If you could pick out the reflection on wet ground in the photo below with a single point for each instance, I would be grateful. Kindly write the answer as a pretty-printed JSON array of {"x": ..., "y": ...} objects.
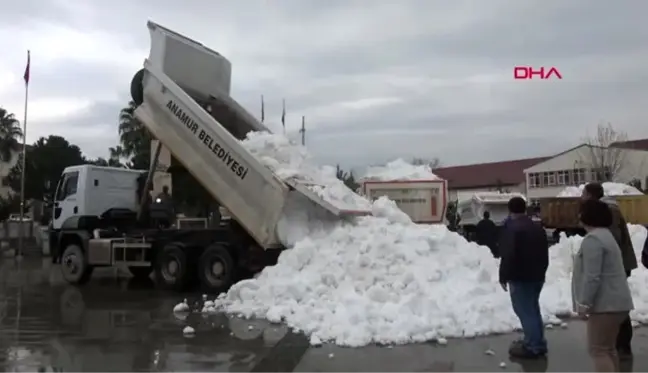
[{"x": 113, "y": 324}]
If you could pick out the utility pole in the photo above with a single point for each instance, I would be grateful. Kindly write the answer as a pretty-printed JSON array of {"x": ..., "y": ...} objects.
[{"x": 303, "y": 131}]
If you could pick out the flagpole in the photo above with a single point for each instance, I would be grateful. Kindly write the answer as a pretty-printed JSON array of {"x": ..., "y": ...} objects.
[{"x": 21, "y": 237}]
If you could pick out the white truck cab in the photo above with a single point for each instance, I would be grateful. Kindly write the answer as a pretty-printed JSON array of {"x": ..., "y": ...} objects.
[
  {"x": 89, "y": 190},
  {"x": 471, "y": 210}
]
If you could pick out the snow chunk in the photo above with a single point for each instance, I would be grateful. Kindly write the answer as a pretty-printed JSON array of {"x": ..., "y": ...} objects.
[
  {"x": 291, "y": 162},
  {"x": 400, "y": 170},
  {"x": 610, "y": 189},
  {"x": 181, "y": 307}
]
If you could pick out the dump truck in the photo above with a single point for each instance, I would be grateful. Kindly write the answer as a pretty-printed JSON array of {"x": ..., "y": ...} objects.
[
  {"x": 561, "y": 213},
  {"x": 471, "y": 210},
  {"x": 183, "y": 100}
]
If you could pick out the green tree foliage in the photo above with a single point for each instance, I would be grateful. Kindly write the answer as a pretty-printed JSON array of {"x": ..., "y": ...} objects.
[
  {"x": 10, "y": 134},
  {"x": 452, "y": 215},
  {"x": 114, "y": 160},
  {"x": 432, "y": 163},
  {"x": 635, "y": 183},
  {"x": 134, "y": 139},
  {"x": 347, "y": 178},
  {"x": 45, "y": 162}
]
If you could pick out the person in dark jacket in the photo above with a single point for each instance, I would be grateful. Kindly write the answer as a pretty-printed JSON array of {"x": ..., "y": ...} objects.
[
  {"x": 524, "y": 250},
  {"x": 486, "y": 232},
  {"x": 644, "y": 254},
  {"x": 619, "y": 229}
]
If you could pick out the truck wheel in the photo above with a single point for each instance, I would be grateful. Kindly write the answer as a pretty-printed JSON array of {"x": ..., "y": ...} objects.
[
  {"x": 74, "y": 265},
  {"x": 137, "y": 87},
  {"x": 216, "y": 269},
  {"x": 171, "y": 268},
  {"x": 140, "y": 272}
]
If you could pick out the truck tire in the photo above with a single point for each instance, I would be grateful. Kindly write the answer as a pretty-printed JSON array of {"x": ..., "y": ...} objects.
[
  {"x": 172, "y": 268},
  {"x": 216, "y": 269},
  {"x": 140, "y": 272},
  {"x": 74, "y": 265},
  {"x": 137, "y": 87}
]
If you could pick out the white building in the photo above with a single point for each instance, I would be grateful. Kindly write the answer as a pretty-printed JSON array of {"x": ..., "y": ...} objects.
[
  {"x": 505, "y": 176},
  {"x": 583, "y": 164}
]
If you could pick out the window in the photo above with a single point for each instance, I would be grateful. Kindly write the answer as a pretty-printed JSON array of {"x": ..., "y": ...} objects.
[
  {"x": 534, "y": 180},
  {"x": 560, "y": 175},
  {"x": 68, "y": 187},
  {"x": 580, "y": 176},
  {"x": 601, "y": 174},
  {"x": 552, "y": 178},
  {"x": 595, "y": 175},
  {"x": 545, "y": 179}
]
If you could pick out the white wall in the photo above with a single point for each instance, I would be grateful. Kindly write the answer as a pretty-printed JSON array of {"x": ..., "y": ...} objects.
[{"x": 635, "y": 165}]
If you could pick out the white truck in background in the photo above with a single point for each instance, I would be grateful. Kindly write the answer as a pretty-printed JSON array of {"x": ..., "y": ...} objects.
[
  {"x": 99, "y": 217},
  {"x": 424, "y": 201},
  {"x": 471, "y": 210}
]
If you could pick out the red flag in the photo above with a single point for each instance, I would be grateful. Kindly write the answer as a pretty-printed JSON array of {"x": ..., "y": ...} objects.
[{"x": 26, "y": 76}]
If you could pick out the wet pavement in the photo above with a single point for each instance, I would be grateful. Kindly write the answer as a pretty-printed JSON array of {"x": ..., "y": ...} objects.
[{"x": 114, "y": 324}]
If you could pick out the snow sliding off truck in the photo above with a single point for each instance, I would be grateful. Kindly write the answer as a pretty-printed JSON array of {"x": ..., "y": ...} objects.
[{"x": 99, "y": 217}]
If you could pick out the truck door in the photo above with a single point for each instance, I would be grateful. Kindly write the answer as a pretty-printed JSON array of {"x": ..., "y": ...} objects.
[{"x": 65, "y": 200}]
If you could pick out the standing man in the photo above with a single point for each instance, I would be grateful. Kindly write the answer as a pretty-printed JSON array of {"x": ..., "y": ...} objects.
[
  {"x": 486, "y": 232},
  {"x": 644, "y": 254},
  {"x": 619, "y": 229},
  {"x": 525, "y": 257}
]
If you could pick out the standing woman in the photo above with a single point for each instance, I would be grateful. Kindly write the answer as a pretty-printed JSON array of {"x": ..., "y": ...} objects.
[{"x": 600, "y": 288}]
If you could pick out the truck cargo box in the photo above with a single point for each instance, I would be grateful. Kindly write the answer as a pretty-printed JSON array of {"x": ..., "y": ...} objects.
[
  {"x": 424, "y": 201},
  {"x": 183, "y": 83},
  {"x": 562, "y": 212}
]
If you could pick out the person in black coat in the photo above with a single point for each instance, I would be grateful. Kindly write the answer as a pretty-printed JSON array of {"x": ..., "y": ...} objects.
[
  {"x": 487, "y": 234},
  {"x": 644, "y": 254}
]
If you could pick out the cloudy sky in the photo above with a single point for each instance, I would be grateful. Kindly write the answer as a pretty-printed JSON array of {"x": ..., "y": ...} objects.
[{"x": 375, "y": 79}]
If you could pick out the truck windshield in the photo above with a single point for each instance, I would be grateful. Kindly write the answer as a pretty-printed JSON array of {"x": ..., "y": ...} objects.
[
  {"x": 58, "y": 192},
  {"x": 67, "y": 186}
]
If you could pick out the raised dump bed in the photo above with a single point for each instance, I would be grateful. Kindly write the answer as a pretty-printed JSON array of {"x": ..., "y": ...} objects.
[{"x": 182, "y": 77}]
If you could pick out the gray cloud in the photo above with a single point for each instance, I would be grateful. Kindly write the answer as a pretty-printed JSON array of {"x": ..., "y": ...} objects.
[{"x": 375, "y": 82}]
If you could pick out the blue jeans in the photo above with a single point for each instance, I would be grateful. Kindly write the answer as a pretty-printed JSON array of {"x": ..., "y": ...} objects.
[{"x": 525, "y": 297}]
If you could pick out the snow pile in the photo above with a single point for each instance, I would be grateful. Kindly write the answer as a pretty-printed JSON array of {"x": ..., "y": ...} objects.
[
  {"x": 400, "y": 170},
  {"x": 384, "y": 279},
  {"x": 610, "y": 189},
  {"x": 292, "y": 162}
]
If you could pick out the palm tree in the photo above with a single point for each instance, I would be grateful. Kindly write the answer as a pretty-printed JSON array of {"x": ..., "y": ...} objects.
[
  {"x": 10, "y": 133},
  {"x": 115, "y": 156},
  {"x": 134, "y": 138}
]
